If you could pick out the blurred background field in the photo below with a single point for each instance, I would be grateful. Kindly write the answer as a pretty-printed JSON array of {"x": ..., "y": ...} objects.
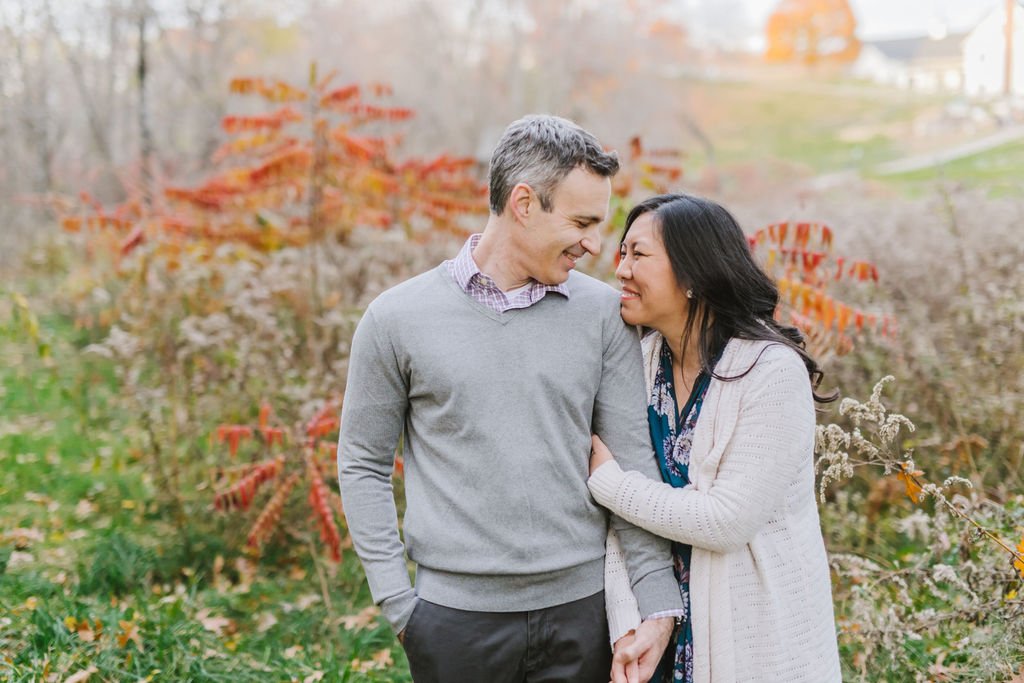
[{"x": 198, "y": 198}]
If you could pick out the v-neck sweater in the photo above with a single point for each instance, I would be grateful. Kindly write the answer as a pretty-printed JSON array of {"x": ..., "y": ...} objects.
[{"x": 495, "y": 412}]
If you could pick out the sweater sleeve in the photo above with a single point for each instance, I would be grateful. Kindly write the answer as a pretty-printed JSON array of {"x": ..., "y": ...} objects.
[
  {"x": 768, "y": 446},
  {"x": 619, "y": 419},
  {"x": 372, "y": 420}
]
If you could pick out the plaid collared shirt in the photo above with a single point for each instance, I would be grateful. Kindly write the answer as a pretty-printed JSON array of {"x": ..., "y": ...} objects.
[{"x": 484, "y": 290}]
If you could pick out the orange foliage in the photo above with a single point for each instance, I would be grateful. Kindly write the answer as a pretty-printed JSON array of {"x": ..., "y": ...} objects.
[
  {"x": 320, "y": 502},
  {"x": 910, "y": 481},
  {"x": 271, "y": 514},
  {"x": 233, "y": 434},
  {"x": 315, "y": 454},
  {"x": 798, "y": 256},
  {"x": 313, "y": 166},
  {"x": 812, "y": 31},
  {"x": 240, "y": 494}
]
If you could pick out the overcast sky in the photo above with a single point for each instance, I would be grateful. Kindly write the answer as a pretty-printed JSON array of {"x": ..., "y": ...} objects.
[{"x": 885, "y": 18}]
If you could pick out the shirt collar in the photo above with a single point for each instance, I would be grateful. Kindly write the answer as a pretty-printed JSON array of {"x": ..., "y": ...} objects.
[{"x": 465, "y": 270}]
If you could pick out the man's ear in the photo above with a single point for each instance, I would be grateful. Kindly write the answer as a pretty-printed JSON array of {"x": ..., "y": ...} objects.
[{"x": 523, "y": 202}]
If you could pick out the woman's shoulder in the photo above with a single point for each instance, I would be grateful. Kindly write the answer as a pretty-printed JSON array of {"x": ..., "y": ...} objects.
[{"x": 759, "y": 356}]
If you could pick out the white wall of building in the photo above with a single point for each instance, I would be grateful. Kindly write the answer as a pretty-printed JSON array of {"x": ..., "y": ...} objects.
[{"x": 984, "y": 55}]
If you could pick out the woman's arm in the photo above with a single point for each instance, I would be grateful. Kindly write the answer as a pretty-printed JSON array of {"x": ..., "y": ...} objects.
[
  {"x": 769, "y": 444},
  {"x": 620, "y": 603}
]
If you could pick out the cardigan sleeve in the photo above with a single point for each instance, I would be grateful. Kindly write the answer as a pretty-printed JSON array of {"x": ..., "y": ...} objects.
[
  {"x": 769, "y": 443},
  {"x": 620, "y": 603}
]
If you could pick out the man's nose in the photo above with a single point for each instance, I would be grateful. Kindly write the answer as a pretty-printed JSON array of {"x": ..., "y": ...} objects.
[{"x": 592, "y": 240}]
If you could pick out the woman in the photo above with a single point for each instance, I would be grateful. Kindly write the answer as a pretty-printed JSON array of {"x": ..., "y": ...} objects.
[{"x": 731, "y": 414}]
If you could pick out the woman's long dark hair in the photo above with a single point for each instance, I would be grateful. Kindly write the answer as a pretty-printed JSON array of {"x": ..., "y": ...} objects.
[{"x": 732, "y": 295}]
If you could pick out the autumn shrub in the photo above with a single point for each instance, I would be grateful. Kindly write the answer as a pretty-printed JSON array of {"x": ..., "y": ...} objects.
[
  {"x": 928, "y": 593},
  {"x": 921, "y": 593},
  {"x": 953, "y": 282}
]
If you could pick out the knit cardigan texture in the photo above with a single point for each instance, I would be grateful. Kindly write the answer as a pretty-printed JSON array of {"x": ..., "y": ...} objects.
[{"x": 760, "y": 591}]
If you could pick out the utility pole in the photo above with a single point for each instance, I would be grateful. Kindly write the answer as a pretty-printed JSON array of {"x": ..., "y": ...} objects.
[{"x": 1011, "y": 5}]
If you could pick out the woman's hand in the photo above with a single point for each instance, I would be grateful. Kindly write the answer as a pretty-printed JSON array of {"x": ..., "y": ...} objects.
[
  {"x": 636, "y": 654},
  {"x": 599, "y": 453}
]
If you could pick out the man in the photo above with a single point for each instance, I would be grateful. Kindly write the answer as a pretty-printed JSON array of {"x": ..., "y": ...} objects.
[{"x": 493, "y": 370}]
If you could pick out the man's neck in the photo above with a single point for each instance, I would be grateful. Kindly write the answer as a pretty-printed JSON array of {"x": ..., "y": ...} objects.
[{"x": 497, "y": 257}]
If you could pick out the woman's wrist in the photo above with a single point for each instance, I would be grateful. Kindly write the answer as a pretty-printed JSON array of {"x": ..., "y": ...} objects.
[{"x": 604, "y": 482}]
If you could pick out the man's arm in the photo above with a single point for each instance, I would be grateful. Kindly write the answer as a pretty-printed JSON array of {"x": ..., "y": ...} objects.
[
  {"x": 620, "y": 416},
  {"x": 372, "y": 420}
]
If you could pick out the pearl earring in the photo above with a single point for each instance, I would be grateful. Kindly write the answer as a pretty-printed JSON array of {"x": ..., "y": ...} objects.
[{"x": 689, "y": 294}]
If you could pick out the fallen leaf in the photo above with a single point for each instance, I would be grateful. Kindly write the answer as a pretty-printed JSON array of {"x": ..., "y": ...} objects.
[
  {"x": 367, "y": 617},
  {"x": 313, "y": 677},
  {"x": 85, "y": 509},
  {"x": 23, "y": 537},
  {"x": 85, "y": 632},
  {"x": 265, "y": 622},
  {"x": 306, "y": 601},
  {"x": 292, "y": 652},
  {"x": 19, "y": 559},
  {"x": 129, "y": 632},
  {"x": 246, "y": 574},
  {"x": 81, "y": 676},
  {"x": 218, "y": 625},
  {"x": 380, "y": 660}
]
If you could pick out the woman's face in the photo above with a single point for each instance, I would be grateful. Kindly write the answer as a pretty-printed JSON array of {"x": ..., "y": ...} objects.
[{"x": 650, "y": 295}]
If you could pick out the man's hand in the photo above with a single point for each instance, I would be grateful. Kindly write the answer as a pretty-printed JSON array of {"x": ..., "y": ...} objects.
[
  {"x": 636, "y": 654},
  {"x": 599, "y": 453}
]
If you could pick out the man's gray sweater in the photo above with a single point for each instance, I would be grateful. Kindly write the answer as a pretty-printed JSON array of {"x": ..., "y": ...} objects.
[{"x": 497, "y": 410}]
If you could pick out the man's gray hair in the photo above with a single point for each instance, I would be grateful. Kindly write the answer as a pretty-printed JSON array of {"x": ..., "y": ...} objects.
[{"x": 540, "y": 151}]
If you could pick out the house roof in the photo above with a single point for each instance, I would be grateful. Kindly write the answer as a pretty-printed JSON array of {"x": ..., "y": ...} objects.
[{"x": 923, "y": 47}]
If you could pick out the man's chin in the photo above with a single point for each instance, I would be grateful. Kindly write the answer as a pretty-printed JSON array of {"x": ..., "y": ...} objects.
[{"x": 553, "y": 279}]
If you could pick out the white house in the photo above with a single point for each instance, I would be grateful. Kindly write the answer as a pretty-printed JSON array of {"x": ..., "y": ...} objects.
[
  {"x": 924, "y": 64},
  {"x": 984, "y": 55}
]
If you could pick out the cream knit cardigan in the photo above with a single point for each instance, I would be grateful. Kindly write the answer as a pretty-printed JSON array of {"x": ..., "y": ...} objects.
[{"x": 760, "y": 593}]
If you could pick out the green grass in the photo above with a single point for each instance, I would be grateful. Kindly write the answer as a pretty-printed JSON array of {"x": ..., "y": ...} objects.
[
  {"x": 999, "y": 171},
  {"x": 802, "y": 124},
  {"x": 796, "y": 128},
  {"x": 85, "y": 542}
]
